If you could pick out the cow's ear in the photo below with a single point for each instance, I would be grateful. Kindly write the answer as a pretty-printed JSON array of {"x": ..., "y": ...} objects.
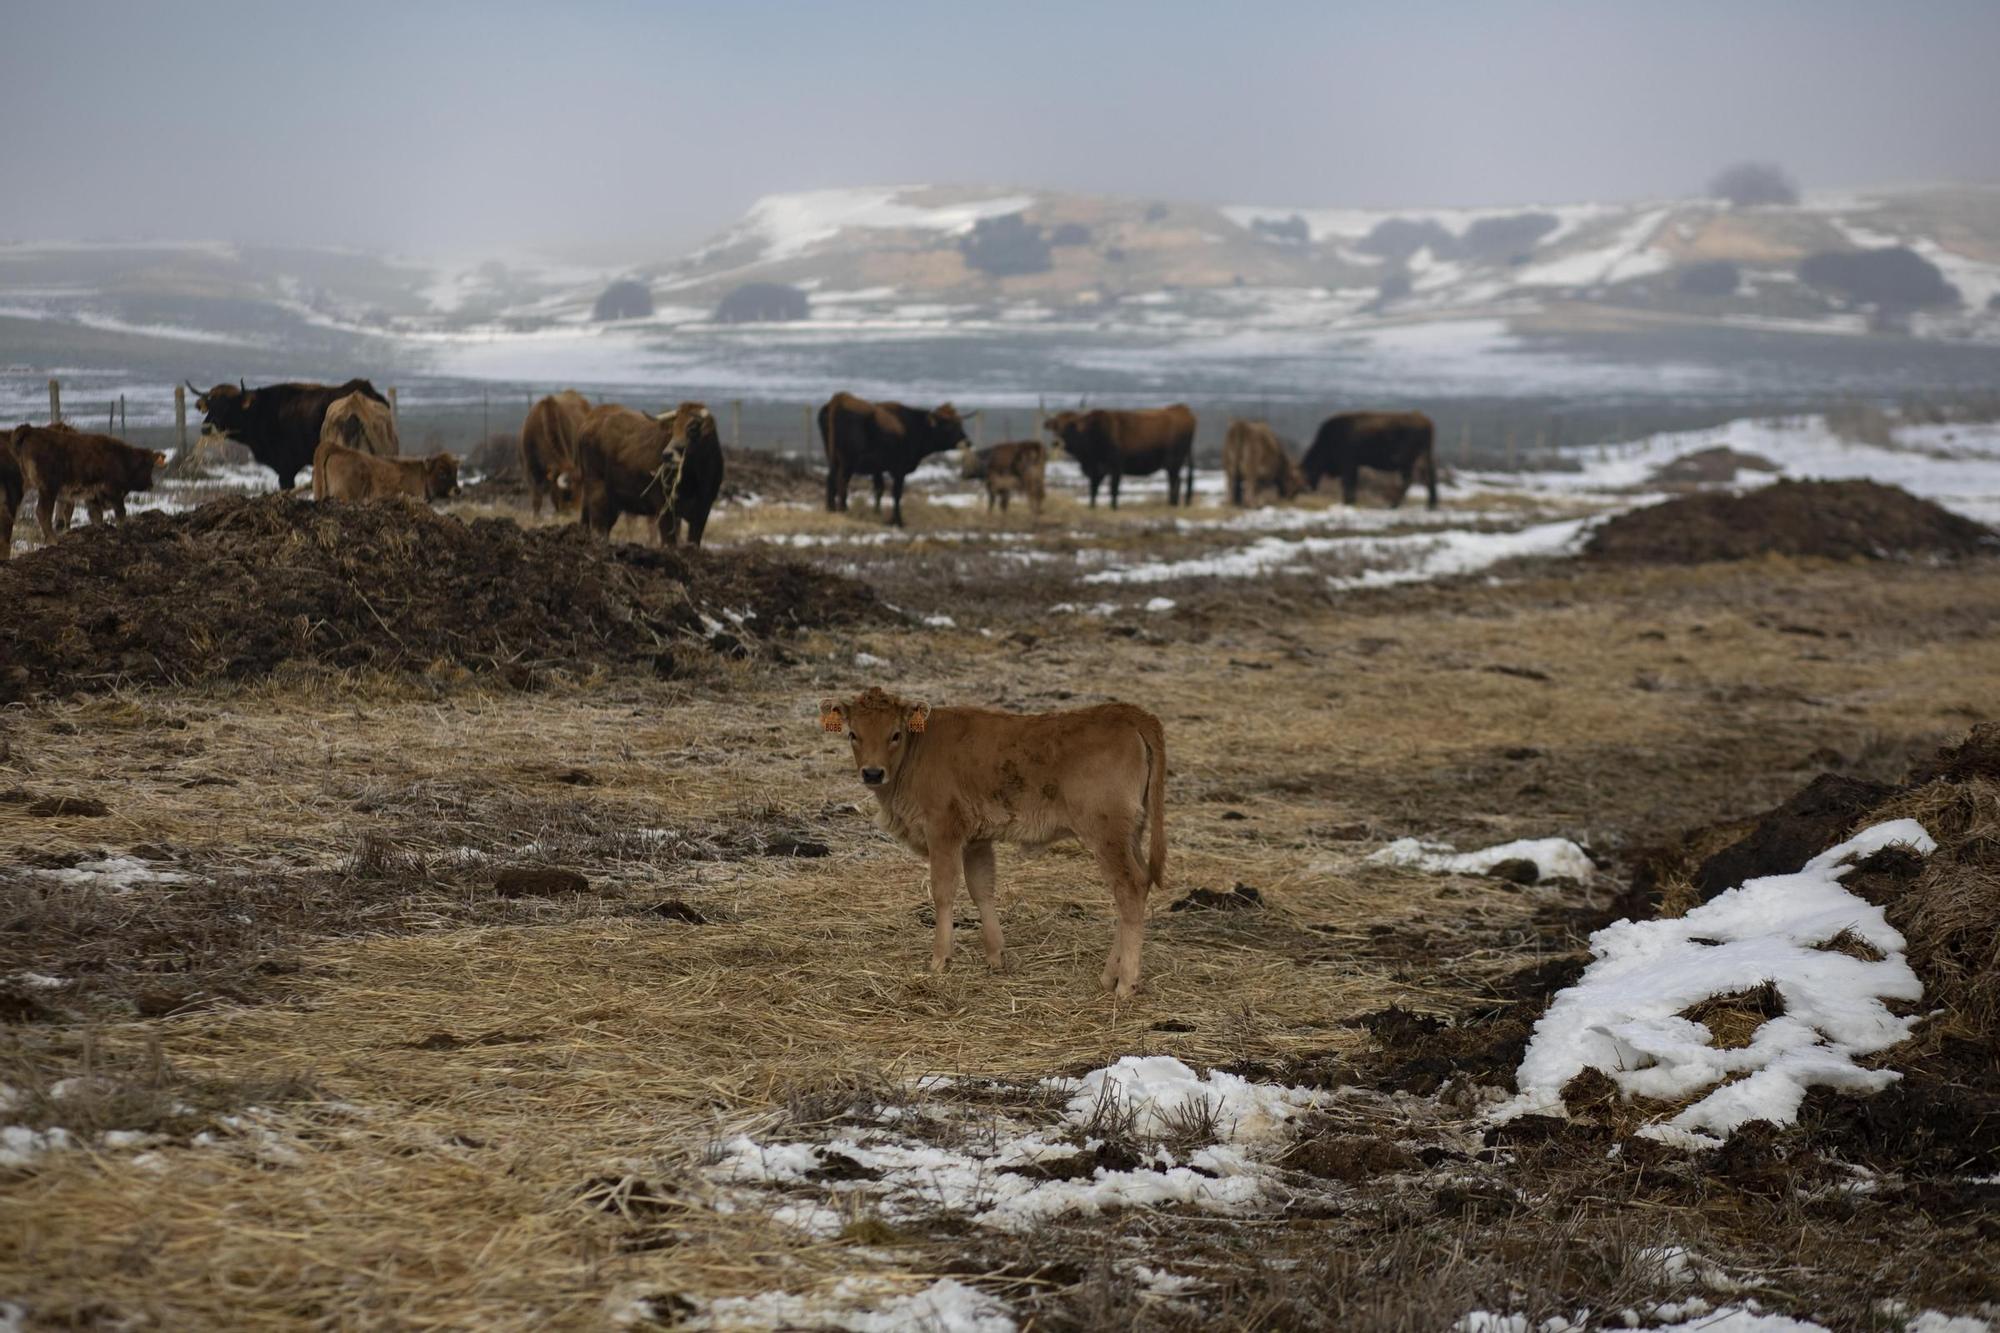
[
  {"x": 832, "y": 716},
  {"x": 248, "y": 399},
  {"x": 920, "y": 714},
  {"x": 159, "y": 459}
]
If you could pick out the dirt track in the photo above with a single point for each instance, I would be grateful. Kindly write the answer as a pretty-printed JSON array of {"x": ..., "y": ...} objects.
[{"x": 494, "y": 1108}]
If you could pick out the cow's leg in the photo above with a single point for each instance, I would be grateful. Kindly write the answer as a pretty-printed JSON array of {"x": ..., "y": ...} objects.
[
  {"x": 947, "y": 859},
  {"x": 534, "y": 495},
  {"x": 1173, "y": 487},
  {"x": 45, "y": 513},
  {"x": 896, "y": 512},
  {"x": 1350, "y": 479},
  {"x": 979, "y": 882},
  {"x": 1093, "y": 491},
  {"x": 65, "y": 512},
  {"x": 117, "y": 507},
  {"x": 670, "y": 528},
  {"x": 696, "y": 526},
  {"x": 1409, "y": 475},
  {"x": 1127, "y": 882},
  {"x": 1114, "y": 489},
  {"x": 1005, "y": 496},
  {"x": 287, "y": 480},
  {"x": 832, "y": 486},
  {"x": 877, "y": 480}
]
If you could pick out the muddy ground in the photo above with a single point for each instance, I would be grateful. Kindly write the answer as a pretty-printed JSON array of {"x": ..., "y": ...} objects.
[{"x": 429, "y": 997}]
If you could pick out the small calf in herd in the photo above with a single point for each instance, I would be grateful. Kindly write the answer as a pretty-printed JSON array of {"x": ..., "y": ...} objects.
[
  {"x": 75, "y": 467},
  {"x": 341, "y": 473},
  {"x": 951, "y": 782}
]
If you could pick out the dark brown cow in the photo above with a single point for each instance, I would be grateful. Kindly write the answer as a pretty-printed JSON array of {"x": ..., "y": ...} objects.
[
  {"x": 70, "y": 465},
  {"x": 341, "y": 473},
  {"x": 881, "y": 439},
  {"x": 1398, "y": 442},
  {"x": 1017, "y": 465},
  {"x": 694, "y": 465},
  {"x": 12, "y": 488},
  {"x": 548, "y": 449},
  {"x": 1115, "y": 444},
  {"x": 1253, "y": 457},
  {"x": 279, "y": 423},
  {"x": 626, "y": 463}
]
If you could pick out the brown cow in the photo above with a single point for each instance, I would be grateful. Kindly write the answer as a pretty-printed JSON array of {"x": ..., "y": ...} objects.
[
  {"x": 1017, "y": 465},
  {"x": 1117, "y": 444},
  {"x": 73, "y": 466},
  {"x": 1391, "y": 441},
  {"x": 361, "y": 422},
  {"x": 548, "y": 449},
  {"x": 881, "y": 440},
  {"x": 1252, "y": 458},
  {"x": 341, "y": 473},
  {"x": 12, "y": 488},
  {"x": 621, "y": 465},
  {"x": 951, "y": 782},
  {"x": 693, "y": 462}
]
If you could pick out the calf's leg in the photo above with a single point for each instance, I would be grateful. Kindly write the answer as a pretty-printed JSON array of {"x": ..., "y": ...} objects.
[
  {"x": 1127, "y": 882},
  {"x": 979, "y": 882},
  {"x": 946, "y": 858}
]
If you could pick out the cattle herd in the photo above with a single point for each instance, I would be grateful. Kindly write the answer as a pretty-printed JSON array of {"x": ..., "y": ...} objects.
[{"x": 605, "y": 461}]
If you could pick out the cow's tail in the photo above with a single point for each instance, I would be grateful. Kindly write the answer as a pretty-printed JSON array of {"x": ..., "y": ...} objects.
[
  {"x": 829, "y": 427},
  {"x": 1431, "y": 465},
  {"x": 1155, "y": 737}
]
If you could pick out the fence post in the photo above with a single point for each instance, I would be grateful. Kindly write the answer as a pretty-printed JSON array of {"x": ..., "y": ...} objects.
[
  {"x": 807, "y": 444},
  {"x": 180, "y": 423},
  {"x": 55, "y": 402},
  {"x": 1041, "y": 411},
  {"x": 393, "y": 416},
  {"x": 736, "y": 423},
  {"x": 111, "y": 417},
  {"x": 485, "y": 415},
  {"x": 122, "y": 427},
  {"x": 979, "y": 430}
]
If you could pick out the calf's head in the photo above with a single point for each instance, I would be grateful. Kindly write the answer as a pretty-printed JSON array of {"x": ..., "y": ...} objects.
[
  {"x": 138, "y": 468},
  {"x": 879, "y": 727},
  {"x": 440, "y": 477}
]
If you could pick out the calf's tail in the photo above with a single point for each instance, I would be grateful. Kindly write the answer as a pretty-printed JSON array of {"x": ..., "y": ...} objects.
[{"x": 1155, "y": 737}]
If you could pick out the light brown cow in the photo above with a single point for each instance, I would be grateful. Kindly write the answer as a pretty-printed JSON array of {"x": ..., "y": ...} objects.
[
  {"x": 340, "y": 473},
  {"x": 1017, "y": 465},
  {"x": 1252, "y": 458},
  {"x": 548, "y": 449},
  {"x": 360, "y": 422},
  {"x": 951, "y": 782}
]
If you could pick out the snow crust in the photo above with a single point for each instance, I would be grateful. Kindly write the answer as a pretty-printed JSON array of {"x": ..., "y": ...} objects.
[{"x": 1554, "y": 858}]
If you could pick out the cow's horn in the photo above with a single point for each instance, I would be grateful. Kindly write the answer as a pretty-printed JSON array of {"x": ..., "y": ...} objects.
[{"x": 191, "y": 389}]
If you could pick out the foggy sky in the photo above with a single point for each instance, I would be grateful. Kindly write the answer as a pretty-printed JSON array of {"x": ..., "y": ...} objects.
[{"x": 461, "y": 128}]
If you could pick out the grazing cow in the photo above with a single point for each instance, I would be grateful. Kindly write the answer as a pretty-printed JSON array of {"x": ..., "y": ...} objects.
[
  {"x": 341, "y": 473},
  {"x": 1253, "y": 457},
  {"x": 360, "y": 422},
  {"x": 548, "y": 449},
  {"x": 12, "y": 488},
  {"x": 951, "y": 782},
  {"x": 881, "y": 439},
  {"x": 279, "y": 423},
  {"x": 72, "y": 466},
  {"x": 1017, "y": 465},
  {"x": 1116, "y": 444},
  {"x": 1389, "y": 441},
  {"x": 693, "y": 462}
]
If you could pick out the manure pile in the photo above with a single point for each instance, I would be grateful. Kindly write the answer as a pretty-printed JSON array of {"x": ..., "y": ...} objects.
[{"x": 235, "y": 588}]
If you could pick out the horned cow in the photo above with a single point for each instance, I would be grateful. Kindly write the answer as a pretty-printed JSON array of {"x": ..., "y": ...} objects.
[
  {"x": 878, "y": 440},
  {"x": 278, "y": 423},
  {"x": 1109, "y": 444},
  {"x": 12, "y": 488},
  {"x": 73, "y": 466},
  {"x": 1390, "y": 441},
  {"x": 548, "y": 449},
  {"x": 1253, "y": 457},
  {"x": 950, "y": 782},
  {"x": 693, "y": 464}
]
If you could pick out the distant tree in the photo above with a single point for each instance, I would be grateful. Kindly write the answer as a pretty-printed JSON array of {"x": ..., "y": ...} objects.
[
  {"x": 1114, "y": 254},
  {"x": 1399, "y": 238},
  {"x": 1747, "y": 184},
  {"x": 627, "y": 298},
  {"x": 1892, "y": 278},
  {"x": 1291, "y": 231},
  {"x": 1716, "y": 278},
  {"x": 1156, "y": 212},
  {"x": 1505, "y": 240},
  {"x": 1006, "y": 246},
  {"x": 762, "y": 303},
  {"x": 1070, "y": 233}
]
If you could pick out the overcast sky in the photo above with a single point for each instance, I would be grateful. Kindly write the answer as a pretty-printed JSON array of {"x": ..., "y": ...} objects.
[{"x": 464, "y": 128}]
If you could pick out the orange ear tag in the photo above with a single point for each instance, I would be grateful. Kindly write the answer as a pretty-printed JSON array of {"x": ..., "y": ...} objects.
[{"x": 830, "y": 720}]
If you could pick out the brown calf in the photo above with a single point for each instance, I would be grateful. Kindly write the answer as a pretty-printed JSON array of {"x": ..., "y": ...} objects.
[
  {"x": 340, "y": 473},
  {"x": 73, "y": 466},
  {"x": 548, "y": 449},
  {"x": 361, "y": 422},
  {"x": 1252, "y": 458},
  {"x": 951, "y": 782},
  {"x": 1017, "y": 465}
]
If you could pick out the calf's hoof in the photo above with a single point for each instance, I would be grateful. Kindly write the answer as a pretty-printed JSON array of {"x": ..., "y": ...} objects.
[
  {"x": 996, "y": 962},
  {"x": 939, "y": 964}
]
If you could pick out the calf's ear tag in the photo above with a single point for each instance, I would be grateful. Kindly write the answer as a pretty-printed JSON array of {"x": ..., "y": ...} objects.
[
  {"x": 830, "y": 718},
  {"x": 918, "y": 716}
]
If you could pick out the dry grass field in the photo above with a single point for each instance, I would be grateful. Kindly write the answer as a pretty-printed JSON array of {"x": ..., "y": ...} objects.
[{"x": 365, "y": 1080}]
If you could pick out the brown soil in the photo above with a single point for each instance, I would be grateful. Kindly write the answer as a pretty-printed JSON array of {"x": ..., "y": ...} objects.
[
  {"x": 1839, "y": 520},
  {"x": 239, "y": 586}
]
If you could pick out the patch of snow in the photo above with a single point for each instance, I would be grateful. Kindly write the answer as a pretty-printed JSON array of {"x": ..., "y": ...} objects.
[
  {"x": 863, "y": 1306},
  {"x": 1627, "y": 253},
  {"x": 1156, "y": 605},
  {"x": 1623, "y": 1016},
  {"x": 21, "y": 1146},
  {"x": 940, "y": 622},
  {"x": 1160, "y": 1093},
  {"x": 1555, "y": 858},
  {"x": 1931, "y": 1321},
  {"x": 116, "y": 872},
  {"x": 791, "y": 224},
  {"x": 1734, "y": 1319},
  {"x": 39, "y": 981},
  {"x": 869, "y": 660}
]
